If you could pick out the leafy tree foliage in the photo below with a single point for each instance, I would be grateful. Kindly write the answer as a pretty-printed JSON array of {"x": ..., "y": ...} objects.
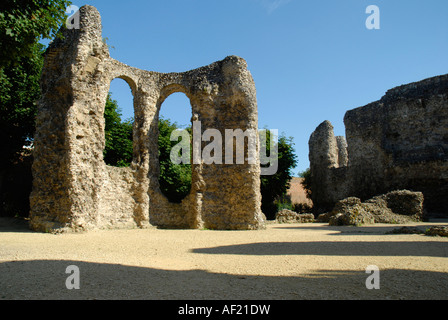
[
  {"x": 306, "y": 182},
  {"x": 24, "y": 22},
  {"x": 276, "y": 186},
  {"x": 19, "y": 91},
  {"x": 118, "y": 151},
  {"x": 174, "y": 179}
]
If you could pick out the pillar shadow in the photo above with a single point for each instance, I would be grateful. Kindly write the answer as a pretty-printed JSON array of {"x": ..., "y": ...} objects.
[
  {"x": 334, "y": 248},
  {"x": 352, "y": 230}
]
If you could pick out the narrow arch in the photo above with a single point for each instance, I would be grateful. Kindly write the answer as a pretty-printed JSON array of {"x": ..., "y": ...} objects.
[
  {"x": 171, "y": 89},
  {"x": 130, "y": 82},
  {"x": 119, "y": 123},
  {"x": 175, "y": 113}
]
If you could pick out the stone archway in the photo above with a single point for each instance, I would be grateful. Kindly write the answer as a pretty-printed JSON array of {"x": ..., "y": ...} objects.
[
  {"x": 175, "y": 178},
  {"x": 74, "y": 190},
  {"x": 117, "y": 151}
]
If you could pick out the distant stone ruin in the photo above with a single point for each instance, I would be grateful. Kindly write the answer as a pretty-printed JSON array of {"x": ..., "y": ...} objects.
[
  {"x": 398, "y": 142},
  {"x": 400, "y": 206},
  {"x": 74, "y": 190}
]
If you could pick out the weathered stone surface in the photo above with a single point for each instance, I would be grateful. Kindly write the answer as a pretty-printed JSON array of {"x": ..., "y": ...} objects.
[
  {"x": 406, "y": 230},
  {"x": 326, "y": 154},
  {"x": 288, "y": 216},
  {"x": 398, "y": 142},
  {"x": 305, "y": 218},
  {"x": 400, "y": 206},
  {"x": 340, "y": 207},
  {"x": 350, "y": 211},
  {"x": 437, "y": 231},
  {"x": 74, "y": 190},
  {"x": 355, "y": 216},
  {"x": 400, "y": 202}
]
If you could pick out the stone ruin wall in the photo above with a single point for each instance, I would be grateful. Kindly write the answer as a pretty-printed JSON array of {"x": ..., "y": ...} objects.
[
  {"x": 74, "y": 190},
  {"x": 328, "y": 165},
  {"x": 398, "y": 142}
]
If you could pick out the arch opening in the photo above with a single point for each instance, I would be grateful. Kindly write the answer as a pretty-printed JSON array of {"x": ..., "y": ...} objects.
[
  {"x": 175, "y": 179},
  {"x": 119, "y": 124}
]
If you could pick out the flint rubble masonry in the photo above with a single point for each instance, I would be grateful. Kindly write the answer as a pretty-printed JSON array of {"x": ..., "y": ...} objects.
[
  {"x": 398, "y": 142},
  {"x": 74, "y": 190}
]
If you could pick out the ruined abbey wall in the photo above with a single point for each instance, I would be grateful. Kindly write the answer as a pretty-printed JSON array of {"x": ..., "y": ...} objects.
[
  {"x": 398, "y": 142},
  {"x": 74, "y": 189}
]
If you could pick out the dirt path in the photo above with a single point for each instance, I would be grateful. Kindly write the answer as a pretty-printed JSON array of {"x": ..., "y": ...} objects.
[{"x": 295, "y": 261}]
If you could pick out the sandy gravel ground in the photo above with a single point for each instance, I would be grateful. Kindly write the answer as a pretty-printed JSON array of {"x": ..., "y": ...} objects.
[{"x": 285, "y": 261}]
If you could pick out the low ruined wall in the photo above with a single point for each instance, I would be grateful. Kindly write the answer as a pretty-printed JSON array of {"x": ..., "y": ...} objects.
[
  {"x": 116, "y": 202},
  {"x": 398, "y": 142}
]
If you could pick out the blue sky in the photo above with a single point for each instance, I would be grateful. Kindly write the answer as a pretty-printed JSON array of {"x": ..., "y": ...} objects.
[{"x": 311, "y": 60}]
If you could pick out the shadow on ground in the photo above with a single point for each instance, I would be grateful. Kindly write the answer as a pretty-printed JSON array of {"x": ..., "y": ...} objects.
[
  {"x": 14, "y": 225},
  {"x": 335, "y": 248},
  {"x": 47, "y": 280},
  {"x": 376, "y": 229}
]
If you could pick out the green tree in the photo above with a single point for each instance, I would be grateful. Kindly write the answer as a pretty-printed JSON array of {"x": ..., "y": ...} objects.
[
  {"x": 118, "y": 150},
  {"x": 174, "y": 179},
  {"x": 19, "y": 92},
  {"x": 304, "y": 207},
  {"x": 306, "y": 182},
  {"x": 275, "y": 186},
  {"x": 24, "y": 22}
]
